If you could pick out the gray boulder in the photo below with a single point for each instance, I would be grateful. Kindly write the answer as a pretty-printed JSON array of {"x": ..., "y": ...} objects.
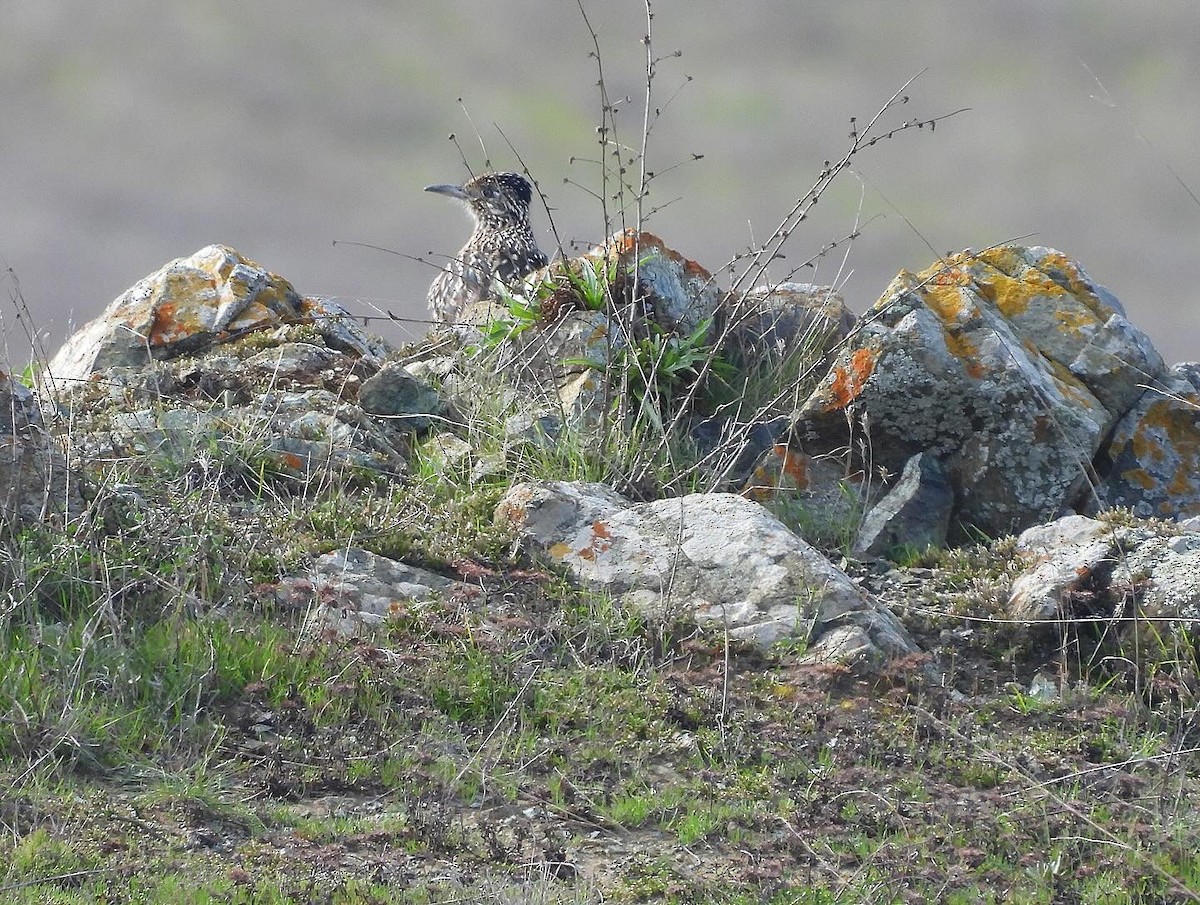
[
  {"x": 1087, "y": 568},
  {"x": 191, "y": 304},
  {"x": 716, "y": 559},
  {"x": 1011, "y": 366}
]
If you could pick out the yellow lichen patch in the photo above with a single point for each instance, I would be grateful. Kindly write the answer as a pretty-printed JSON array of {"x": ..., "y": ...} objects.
[
  {"x": 1182, "y": 482},
  {"x": 1075, "y": 320},
  {"x": 560, "y": 551},
  {"x": 1075, "y": 282},
  {"x": 1147, "y": 439},
  {"x": 904, "y": 281},
  {"x": 849, "y": 379},
  {"x": 1140, "y": 477},
  {"x": 948, "y": 302},
  {"x": 1071, "y": 387},
  {"x": 1002, "y": 257},
  {"x": 964, "y": 349},
  {"x": 1179, "y": 427},
  {"x": 1011, "y": 296},
  {"x": 279, "y": 285}
]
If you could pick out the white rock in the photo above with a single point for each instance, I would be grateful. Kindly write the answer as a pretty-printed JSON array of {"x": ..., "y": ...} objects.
[{"x": 714, "y": 558}]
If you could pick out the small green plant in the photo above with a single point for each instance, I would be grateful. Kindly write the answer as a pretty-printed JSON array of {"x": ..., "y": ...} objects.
[
  {"x": 591, "y": 281},
  {"x": 522, "y": 313}
]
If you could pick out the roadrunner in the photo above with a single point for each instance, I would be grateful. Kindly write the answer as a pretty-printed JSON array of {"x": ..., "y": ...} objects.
[{"x": 502, "y": 247}]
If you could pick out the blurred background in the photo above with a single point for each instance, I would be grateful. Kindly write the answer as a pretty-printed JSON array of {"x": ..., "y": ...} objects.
[{"x": 138, "y": 131}]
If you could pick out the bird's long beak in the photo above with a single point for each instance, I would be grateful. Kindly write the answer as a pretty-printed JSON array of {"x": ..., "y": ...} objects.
[{"x": 454, "y": 191}]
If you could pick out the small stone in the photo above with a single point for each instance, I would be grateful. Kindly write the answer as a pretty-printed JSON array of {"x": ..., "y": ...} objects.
[
  {"x": 406, "y": 402},
  {"x": 913, "y": 515}
]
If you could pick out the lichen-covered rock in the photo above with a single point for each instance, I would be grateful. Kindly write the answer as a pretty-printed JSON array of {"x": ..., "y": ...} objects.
[
  {"x": 673, "y": 291},
  {"x": 1004, "y": 364},
  {"x": 784, "y": 318},
  {"x": 35, "y": 481},
  {"x": 301, "y": 433},
  {"x": 1086, "y": 568},
  {"x": 714, "y": 558},
  {"x": 1076, "y": 566},
  {"x": 213, "y": 353},
  {"x": 1152, "y": 461},
  {"x": 290, "y": 408},
  {"x": 192, "y": 303}
]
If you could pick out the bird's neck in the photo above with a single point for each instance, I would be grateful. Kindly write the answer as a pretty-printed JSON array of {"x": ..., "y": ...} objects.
[{"x": 507, "y": 227}]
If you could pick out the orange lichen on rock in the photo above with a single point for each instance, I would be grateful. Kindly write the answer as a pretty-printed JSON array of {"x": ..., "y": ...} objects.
[
  {"x": 599, "y": 542},
  {"x": 292, "y": 461},
  {"x": 165, "y": 329},
  {"x": 849, "y": 379},
  {"x": 947, "y": 273},
  {"x": 629, "y": 242},
  {"x": 793, "y": 465},
  {"x": 781, "y": 468}
]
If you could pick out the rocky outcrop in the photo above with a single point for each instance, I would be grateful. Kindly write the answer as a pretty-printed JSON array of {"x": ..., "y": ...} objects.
[
  {"x": 716, "y": 559},
  {"x": 989, "y": 393},
  {"x": 213, "y": 352},
  {"x": 1011, "y": 366},
  {"x": 192, "y": 304}
]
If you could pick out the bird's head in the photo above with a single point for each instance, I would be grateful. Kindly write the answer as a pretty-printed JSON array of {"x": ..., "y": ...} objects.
[{"x": 495, "y": 199}]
